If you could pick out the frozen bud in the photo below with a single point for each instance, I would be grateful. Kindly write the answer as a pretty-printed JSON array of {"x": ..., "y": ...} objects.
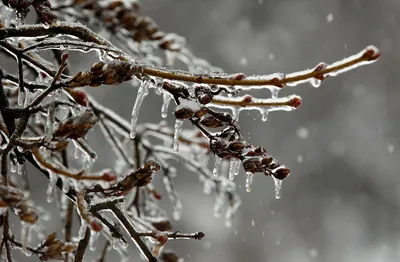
[
  {"x": 96, "y": 225},
  {"x": 211, "y": 122},
  {"x": 50, "y": 238},
  {"x": 61, "y": 145},
  {"x": 236, "y": 146},
  {"x": 64, "y": 57},
  {"x": 252, "y": 165},
  {"x": 184, "y": 113},
  {"x": 161, "y": 238},
  {"x": 247, "y": 98},
  {"x": 240, "y": 76},
  {"x": 319, "y": 68},
  {"x": 260, "y": 150},
  {"x": 371, "y": 53},
  {"x": 281, "y": 173},
  {"x": 27, "y": 214},
  {"x": 109, "y": 177},
  {"x": 266, "y": 161},
  {"x": 68, "y": 248},
  {"x": 156, "y": 195},
  {"x": 79, "y": 96},
  {"x": 115, "y": 4},
  {"x": 295, "y": 102},
  {"x": 203, "y": 94},
  {"x": 200, "y": 235},
  {"x": 162, "y": 225}
]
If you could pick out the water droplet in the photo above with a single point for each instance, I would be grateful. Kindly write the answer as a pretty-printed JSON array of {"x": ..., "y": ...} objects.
[
  {"x": 299, "y": 159},
  {"x": 391, "y": 148},
  {"x": 253, "y": 224}
]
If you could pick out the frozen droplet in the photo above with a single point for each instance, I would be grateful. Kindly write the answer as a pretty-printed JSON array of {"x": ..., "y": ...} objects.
[
  {"x": 25, "y": 229},
  {"x": 302, "y": 133},
  {"x": 20, "y": 168},
  {"x": 217, "y": 165},
  {"x": 52, "y": 183},
  {"x": 391, "y": 148},
  {"x": 82, "y": 229},
  {"x": 278, "y": 187},
  {"x": 249, "y": 181},
  {"x": 94, "y": 236},
  {"x": 234, "y": 168},
  {"x": 264, "y": 115},
  {"x": 329, "y": 18},
  {"x": 142, "y": 93},
  {"x": 165, "y": 104},
  {"x": 177, "y": 133},
  {"x": 253, "y": 224},
  {"x": 315, "y": 82},
  {"x": 299, "y": 159}
]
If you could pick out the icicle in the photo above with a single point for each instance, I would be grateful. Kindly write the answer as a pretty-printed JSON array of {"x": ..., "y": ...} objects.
[
  {"x": 236, "y": 113},
  {"x": 274, "y": 91},
  {"x": 264, "y": 114},
  {"x": 278, "y": 186},
  {"x": 21, "y": 97},
  {"x": 142, "y": 93},
  {"x": 208, "y": 186},
  {"x": 82, "y": 229},
  {"x": 115, "y": 242},
  {"x": 20, "y": 168},
  {"x": 177, "y": 133},
  {"x": 249, "y": 181},
  {"x": 234, "y": 168},
  {"x": 94, "y": 236},
  {"x": 52, "y": 183},
  {"x": 164, "y": 107},
  {"x": 177, "y": 210},
  {"x": 25, "y": 229},
  {"x": 219, "y": 203}
]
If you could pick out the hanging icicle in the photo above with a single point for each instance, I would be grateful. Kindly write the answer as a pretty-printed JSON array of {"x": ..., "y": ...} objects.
[{"x": 142, "y": 93}]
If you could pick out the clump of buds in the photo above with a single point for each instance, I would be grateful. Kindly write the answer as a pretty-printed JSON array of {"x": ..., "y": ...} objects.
[
  {"x": 55, "y": 249},
  {"x": 112, "y": 73},
  {"x": 139, "y": 178}
]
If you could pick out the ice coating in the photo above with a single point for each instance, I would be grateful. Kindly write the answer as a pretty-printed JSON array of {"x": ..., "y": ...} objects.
[{"x": 177, "y": 133}]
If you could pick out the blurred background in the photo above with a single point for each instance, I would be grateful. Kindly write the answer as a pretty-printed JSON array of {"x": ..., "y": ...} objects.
[{"x": 342, "y": 200}]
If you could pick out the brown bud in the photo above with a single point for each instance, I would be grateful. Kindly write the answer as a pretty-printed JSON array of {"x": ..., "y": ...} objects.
[
  {"x": 282, "y": 173},
  {"x": 184, "y": 113},
  {"x": 236, "y": 146},
  {"x": 211, "y": 122},
  {"x": 162, "y": 225}
]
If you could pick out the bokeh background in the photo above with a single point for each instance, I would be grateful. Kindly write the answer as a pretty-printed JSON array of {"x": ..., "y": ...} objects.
[{"x": 341, "y": 202}]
